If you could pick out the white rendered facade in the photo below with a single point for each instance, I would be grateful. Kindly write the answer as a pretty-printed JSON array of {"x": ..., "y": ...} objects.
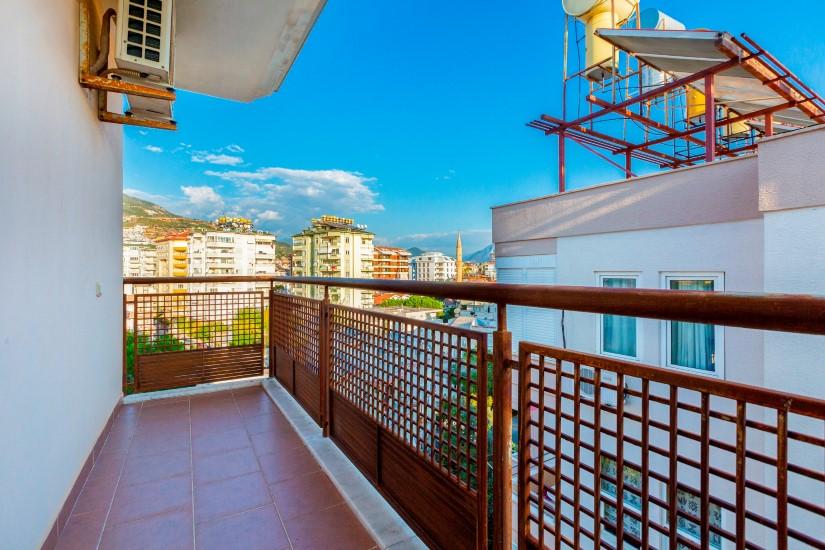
[
  {"x": 433, "y": 266},
  {"x": 753, "y": 224},
  {"x": 220, "y": 253},
  {"x": 139, "y": 259},
  {"x": 61, "y": 183}
]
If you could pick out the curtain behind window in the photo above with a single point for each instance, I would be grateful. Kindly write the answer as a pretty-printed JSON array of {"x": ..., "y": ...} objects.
[
  {"x": 618, "y": 331},
  {"x": 692, "y": 345}
]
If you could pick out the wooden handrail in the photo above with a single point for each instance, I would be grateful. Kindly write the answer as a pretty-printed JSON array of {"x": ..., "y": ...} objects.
[{"x": 780, "y": 312}]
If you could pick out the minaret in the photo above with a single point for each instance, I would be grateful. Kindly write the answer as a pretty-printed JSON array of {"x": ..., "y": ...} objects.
[{"x": 459, "y": 262}]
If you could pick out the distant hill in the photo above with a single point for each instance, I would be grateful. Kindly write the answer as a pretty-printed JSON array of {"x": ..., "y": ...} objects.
[
  {"x": 480, "y": 256},
  {"x": 157, "y": 222},
  {"x": 282, "y": 249},
  {"x": 415, "y": 251}
]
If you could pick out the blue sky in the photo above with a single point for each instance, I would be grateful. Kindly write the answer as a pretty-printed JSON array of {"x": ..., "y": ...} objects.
[{"x": 409, "y": 116}]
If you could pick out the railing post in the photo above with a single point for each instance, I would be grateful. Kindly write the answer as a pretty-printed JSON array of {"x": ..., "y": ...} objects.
[
  {"x": 271, "y": 342},
  {"x": 324, "y": 344},
  {"x": 125, "y": 382},
  {"x": 502, "y": 426}
]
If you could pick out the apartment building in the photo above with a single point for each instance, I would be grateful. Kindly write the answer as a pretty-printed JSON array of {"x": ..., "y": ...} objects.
[
  {"x": 139, "y": 258},
  {"x": 433, "y": 266},
  {"x": 390, "y": 262},
  {"x": 172, "y": 253},
  {"x": 216, "y": 253},
  {"x": 334, "y": 247}
]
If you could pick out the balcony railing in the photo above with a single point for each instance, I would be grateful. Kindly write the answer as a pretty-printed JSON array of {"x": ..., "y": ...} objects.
[{"x": 611, "y": 453}]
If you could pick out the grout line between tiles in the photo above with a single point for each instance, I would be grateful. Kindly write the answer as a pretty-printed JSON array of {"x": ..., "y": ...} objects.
[
  {"x": 119, "y": 476},
  {"x": 294, "y": 414},
  {"x": 192, "y": 473},
  {"x": 261, "y": 470}
]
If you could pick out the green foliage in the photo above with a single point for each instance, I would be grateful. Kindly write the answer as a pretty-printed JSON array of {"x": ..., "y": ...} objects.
[
  {"x": 205, "y": 331},
  {"x": 246, "y": 327},
  {"x": 145, "y": 346},
  {"x": 414, "y": 302}
]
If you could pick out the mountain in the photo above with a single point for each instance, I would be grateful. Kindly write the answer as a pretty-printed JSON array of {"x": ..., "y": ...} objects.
[
  {"x": 415, "y": 251},
  {"x": 156, "y": 221},
  {"x": 153, "y": 221},
  {"x": 282, "y": 249},
  {"x": 480, "y": 256}
]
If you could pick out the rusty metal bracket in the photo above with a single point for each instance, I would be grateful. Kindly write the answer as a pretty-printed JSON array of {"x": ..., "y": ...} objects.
[
  {"x": 118, "y": 86},
  {"x": 88, "y": 23}
]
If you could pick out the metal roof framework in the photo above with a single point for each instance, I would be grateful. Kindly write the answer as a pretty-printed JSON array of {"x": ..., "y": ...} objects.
[{"x": 740, "y": 81}]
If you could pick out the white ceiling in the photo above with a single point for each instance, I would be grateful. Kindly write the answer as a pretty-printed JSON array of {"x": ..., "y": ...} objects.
[{"x": 239, "y": 50}]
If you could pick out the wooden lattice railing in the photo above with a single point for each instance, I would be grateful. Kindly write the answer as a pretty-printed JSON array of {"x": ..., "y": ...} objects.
[{"x": 613, "y": 454}]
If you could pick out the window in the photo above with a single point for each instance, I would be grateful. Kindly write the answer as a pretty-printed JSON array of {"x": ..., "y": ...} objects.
[
  {"x": 695, "y": 346},
  {"x": 618, "y": 334},
  {"x": 690, "y": 502},
  {"x": 632, "y": 501}
]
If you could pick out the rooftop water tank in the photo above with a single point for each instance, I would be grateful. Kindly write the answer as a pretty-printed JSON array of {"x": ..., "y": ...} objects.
[
  {"x": 652, "y": 18},
  {"x": 598, "y": 14}
]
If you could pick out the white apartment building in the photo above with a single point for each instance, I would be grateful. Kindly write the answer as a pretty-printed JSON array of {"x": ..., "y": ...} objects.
[
  {"x": 749, "y": 224},
  {"x": 334, "y": 247},
  {"x": 216, "y": 253},
  {"x": 433, "y": 266},
  {"x": 140, "y": 258}
]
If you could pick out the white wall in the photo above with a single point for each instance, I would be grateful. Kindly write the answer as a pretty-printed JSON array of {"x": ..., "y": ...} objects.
[
  {"x": 530, "y": 324},
  {"x": 60, "y": 202},
  {"x": 733, "y": 249},
  {"x": 795, "y": 263}
]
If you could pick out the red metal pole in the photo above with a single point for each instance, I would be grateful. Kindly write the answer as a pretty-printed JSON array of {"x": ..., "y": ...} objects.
[
  {"x": 628, "y": 165},
  {"x": 769, "y": 124},
  {"x": 652, "y": 93},
  {"x": 561, "y": 161},
  {"x": 710, "y": 120}
]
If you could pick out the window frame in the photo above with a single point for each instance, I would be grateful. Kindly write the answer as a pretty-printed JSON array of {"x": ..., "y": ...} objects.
[
  {"x": 600, "y": 276},
  {"x": 718, "y": 278},
  {"x": 724, "y": 543},
  {"x": 615, "y": 497}
]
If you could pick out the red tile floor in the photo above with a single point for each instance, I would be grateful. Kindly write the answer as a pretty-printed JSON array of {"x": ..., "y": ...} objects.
[{"x": 220, "y": 470}]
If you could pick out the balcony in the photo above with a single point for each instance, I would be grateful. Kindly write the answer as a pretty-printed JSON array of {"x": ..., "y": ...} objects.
[
  {"x": 218, "y": 470},
  {"x": 706, "y": 461}
]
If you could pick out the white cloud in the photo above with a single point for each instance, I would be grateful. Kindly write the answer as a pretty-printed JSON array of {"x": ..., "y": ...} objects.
[
  {"x": 234, "y": 148},
  {"x": 154, "y": 149},
  {"x": 269, "y": 215},
  {"x": 202, "y": 196},
  {"x": 448, "y": 176},
  {"x": 151, "y": 197},
  {"x": 298, "y": 195},
  {"x": 212, "y": 158}
]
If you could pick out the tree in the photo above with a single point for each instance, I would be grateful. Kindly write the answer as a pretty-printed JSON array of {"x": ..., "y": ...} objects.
[
  {"x": 413, "y": 302},
  {"x": 246, "y": 327}
]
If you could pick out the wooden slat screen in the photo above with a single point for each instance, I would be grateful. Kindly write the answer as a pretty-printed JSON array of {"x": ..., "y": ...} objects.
[{"x": 184, "y": 339}]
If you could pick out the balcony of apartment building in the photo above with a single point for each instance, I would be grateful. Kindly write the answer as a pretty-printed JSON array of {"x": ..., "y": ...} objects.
[
  {"x": 251, "y": 419},
  {"x": 313, "y": 429}
]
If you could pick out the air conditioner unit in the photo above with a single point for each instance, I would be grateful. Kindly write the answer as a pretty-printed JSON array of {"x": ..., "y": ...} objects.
[
  {"x": 144, "y": 37},
  {"x": 587, "y": 385}
]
